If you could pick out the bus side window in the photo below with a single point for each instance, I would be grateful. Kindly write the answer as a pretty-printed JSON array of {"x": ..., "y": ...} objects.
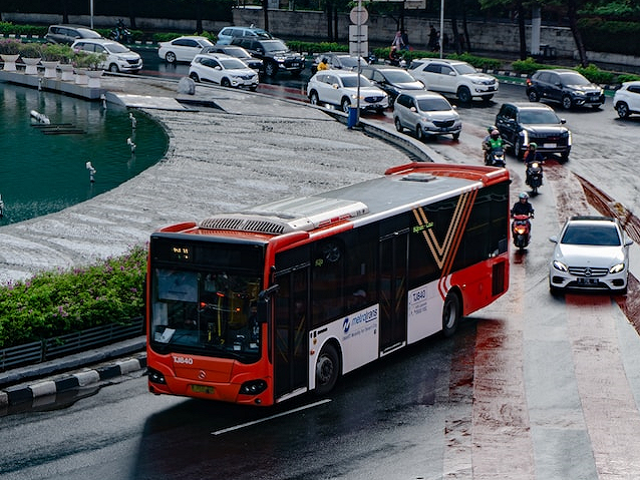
[{"x": 328, "y": 275}]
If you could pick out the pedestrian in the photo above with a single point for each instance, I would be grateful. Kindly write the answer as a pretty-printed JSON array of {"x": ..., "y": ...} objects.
[
  {"x": 433, "y": 38},
  {"x": 405, "y": 40},
  {"x": 397, "y": 41}
]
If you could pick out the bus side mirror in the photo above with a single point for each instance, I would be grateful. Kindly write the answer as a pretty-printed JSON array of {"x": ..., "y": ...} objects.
[{"x": 264, "y": 299}]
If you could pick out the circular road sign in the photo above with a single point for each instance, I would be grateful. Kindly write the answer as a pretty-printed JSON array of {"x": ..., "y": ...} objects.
[{"x": 359, "y": 15}]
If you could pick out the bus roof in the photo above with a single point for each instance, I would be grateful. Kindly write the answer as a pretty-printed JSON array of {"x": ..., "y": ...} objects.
[{"x": 401, "y": 188}]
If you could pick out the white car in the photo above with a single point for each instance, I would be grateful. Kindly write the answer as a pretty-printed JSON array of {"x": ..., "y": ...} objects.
[
  {"x": 340, "y": 87},
  {"x": 454, "y": 77},
  {"x": 118, "y": 57},
  {"x": 591, "y": 253},
  {"x": 426, "y": 114},
  {"x": 224, "y": 70},
  {"x": 182, "y": 49},
  {"x": 626, "y": 100}
]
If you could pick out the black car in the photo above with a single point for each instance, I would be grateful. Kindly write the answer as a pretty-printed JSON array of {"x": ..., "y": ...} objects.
[
  {"x": 274, "y": 53},
  {"x": 238, "y": 52},
  {"x": 67, "y": 34},
  {"x": 523, "y": 123},
  {"x": 393, "y": 80},
  {"x": 564, "y": 86}
]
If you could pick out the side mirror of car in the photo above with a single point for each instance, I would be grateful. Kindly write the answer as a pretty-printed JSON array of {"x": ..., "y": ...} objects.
[
  {"x": 335, "y": 85},
  {"x": 217, "y": 67},
  {"x": 628, "y": 242},
  {"x": 452, "y": 74},
  {"x": 563, "y": 121},
  {"x": 553, "y": 239},
  {"x": 413, "y": 109}
]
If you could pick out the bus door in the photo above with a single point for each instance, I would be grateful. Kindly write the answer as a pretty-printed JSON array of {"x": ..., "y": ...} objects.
[
  {"x": 392, "y": 290},
  {"x": 291, "y": 340}
]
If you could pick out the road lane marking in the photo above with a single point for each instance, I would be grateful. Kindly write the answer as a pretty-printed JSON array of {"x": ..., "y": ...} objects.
[{"x": 277, "y": 415}]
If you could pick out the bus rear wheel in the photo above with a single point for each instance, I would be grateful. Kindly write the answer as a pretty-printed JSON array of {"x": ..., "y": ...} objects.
[
  {"x": 327, "y": 370},
  {"x": 451, "y": 313}
]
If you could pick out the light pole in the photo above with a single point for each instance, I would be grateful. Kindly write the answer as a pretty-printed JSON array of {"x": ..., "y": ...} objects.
[
  {"x": 441, "y": 26},
  {"x": 91, "y": 13}
]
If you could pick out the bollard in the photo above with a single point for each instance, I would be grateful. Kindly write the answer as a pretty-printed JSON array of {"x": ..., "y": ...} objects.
[{"x": 353, "y": 117}]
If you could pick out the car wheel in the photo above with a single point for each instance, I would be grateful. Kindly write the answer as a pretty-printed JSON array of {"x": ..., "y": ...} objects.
[
  {"x": 327, "y": 369},
  {"x": 451, "y": 313},
  {"x": 456, "y": 136},
  {"x": 517, "y": 149},
  {"x": 464, "y": 95},
  {"x": 270, "y": 69},
  {"x": 622, "y": 109},
  {"x": 346, "y": 105},
  {"x": 253, "y": 88},
  {"x": 313, "y": 98},
  {"x": 391, "y": 101},
  {"x": 194, "y": 76},
  {"x": 486, "y": 98},
  {"x": 225, "y": 82},
  {"x": 398, "y": 125},
  {"x": 564, "y": 156},
  {"x": 566, "y": 102},
  {"x": 554, "y": 290},
  {"x": 533, "y": 96},
  {"x": 419, "y": 133},
  {"x": 114, "y": 68},
  {"x": 170, "y": 57}
]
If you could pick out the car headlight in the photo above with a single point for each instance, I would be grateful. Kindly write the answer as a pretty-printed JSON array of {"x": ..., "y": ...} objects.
[
  {"x": 558, "y": 265},
  {"x": 579, "y": 93},
  {"x": 278, "y": 58},
  {"x": 617, "y": 268}
]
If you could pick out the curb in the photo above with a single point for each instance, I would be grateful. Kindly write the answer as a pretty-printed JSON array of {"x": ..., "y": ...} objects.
[{"x": 20, "y": 395}]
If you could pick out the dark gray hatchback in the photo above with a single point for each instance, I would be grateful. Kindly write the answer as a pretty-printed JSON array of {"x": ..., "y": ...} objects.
[{"x": 67, "y": 34}]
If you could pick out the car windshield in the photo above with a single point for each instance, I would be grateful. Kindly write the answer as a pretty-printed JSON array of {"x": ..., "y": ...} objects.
[
  {"x": 232, "y": 64},
  {"x": 399, "y": 76},
  {"x": 274, "y": 46},
  {"x": 589, "y": 234},
  {"x": 433, "y": 105},
  {"x": 237, "y": 52},
  {"x": 351, "y": 81},
  {"x": 116, "y": 48},
  {"x": 464, "y": 68},
  {"x": 88, "y": 33},
  {"x": 262, "y": 34},
  {"x": 574, "y": 79},
  {"x": 351, "y": 62},
  {"x": 538, "y": 116}
]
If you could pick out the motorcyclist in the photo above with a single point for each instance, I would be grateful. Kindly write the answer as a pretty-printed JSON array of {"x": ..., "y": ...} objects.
[
  {"x": 522, "y": 206},
  {"x": 491, "y": 142},
  {"x": 532, "y": 155}
]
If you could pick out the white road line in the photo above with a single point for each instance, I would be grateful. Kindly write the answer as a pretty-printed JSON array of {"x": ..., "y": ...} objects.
[{"x": 243, "y": 425}]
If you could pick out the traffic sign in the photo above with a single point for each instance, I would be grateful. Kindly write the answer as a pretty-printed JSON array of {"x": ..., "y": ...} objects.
[{"x": 359, "y": 15}]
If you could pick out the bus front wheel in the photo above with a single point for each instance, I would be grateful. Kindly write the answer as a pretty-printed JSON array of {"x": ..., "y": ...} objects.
[
  {"x": 451, "y": 312},
  {"x": 327, "y": 370}
]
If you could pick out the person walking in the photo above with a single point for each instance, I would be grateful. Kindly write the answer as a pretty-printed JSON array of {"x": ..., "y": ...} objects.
[{"x": 397, "y": 42}]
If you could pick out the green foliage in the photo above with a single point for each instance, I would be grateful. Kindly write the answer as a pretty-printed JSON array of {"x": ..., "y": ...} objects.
[
  {"x": 55, "y": 303},
  {"x": 317, "y": 47},
  {"x": 526, "y": 67},
  {"x": 615, "y": 8},
  {"x": 595, "y": 75},
  {"x": 136, "y": 35},
  {"x": 610, "y": 36},
  {"x": 30, "y": 50},
  {"x": 57, "y": 52},
  {"x": 92, "y": 61},
  {"x": 8, "y": 28},
  {"x": 627, "y": 77},
  {"x": 10, "y": 47},
  {"x": 478, "y": 62}
]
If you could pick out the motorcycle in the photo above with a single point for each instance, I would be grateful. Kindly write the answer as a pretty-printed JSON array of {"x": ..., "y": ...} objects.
[
  {"x": 521, "y": 230},
  {"x": 534, "y": 176},
  {"x": 120, "y": 33},
  {"x": 495, "y": 158}
]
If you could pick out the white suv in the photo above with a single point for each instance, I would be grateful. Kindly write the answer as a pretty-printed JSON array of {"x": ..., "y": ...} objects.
[
  {"x": 626, "y": 100},
  {"x": 224, "y": 70},
  {"x": 426, "y": 114},
  {"x": 454, "y": 77},
  {"x": 119, "y": 57},
  {"x": 340, "y": 87}
]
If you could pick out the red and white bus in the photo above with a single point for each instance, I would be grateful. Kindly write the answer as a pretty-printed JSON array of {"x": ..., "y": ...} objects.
[{"x": 264, "y": 305}]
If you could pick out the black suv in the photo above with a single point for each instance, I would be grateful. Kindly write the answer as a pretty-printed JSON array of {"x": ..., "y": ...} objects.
[
  {"x": 393, "y": 80},
  {"x": 67, "y": 34},
  {"x": 564, "y": 86},
  {"x": 523, "y": 123},
  {"x": 274, "y": 53}
]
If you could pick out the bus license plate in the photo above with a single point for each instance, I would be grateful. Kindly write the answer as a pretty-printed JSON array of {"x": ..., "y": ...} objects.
[{"x": 201, "y": 389}]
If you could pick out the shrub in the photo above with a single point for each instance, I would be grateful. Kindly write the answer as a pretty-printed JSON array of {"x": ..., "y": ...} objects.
[
  {"x": 10, "y": 47},
  {"x": 57, "y": 52},
  {"x": 627, "y": 77},
  {"x": 30, "y": 50},
  {"x": 526, "y": 67},
  {"x": 55, "y": 303},
  {"x": 595, "y": 75}
]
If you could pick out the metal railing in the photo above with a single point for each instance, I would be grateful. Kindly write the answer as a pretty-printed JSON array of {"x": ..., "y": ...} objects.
[{"x": 56, "y": 347}]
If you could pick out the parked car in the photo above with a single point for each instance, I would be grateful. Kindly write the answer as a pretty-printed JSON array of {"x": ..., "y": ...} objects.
[
  {"x": 393, "y": 80},
  {"x": 454, "y": 77},
  {"x": 229, "y": 33},
  {"x": 119, "y": 58},
  {"x": 337, "y": 61},
  {"x": 520, "y": 124},
  {"x": 274, "y": 53},
  {"x": 223, "y": 70},
  {"x": 626, "y": 100},
  {"x": 426, "y": 114},
  {"x": 591, "y": 253},
  {"x": 182, "y": 49},
  {"x": 67, "y": 34},
  {"x": 565, "y": 86},
  {"x": 237, "y": 52},
  {"x": 340, "y": 87}
]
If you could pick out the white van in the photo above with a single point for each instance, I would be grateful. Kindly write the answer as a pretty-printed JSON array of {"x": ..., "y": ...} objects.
[{"x": 119, "y": 57}]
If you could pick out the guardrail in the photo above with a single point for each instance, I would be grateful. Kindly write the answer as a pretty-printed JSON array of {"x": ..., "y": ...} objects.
[{"x": 57, "y": 347}]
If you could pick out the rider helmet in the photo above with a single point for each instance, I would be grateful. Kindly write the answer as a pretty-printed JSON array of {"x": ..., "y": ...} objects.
[
  {"x": 523, "y": 195},
  {"x": 495, "y": 133},
  {"x": 491, "y": 128},
  {"x": 533, "y": 145}
]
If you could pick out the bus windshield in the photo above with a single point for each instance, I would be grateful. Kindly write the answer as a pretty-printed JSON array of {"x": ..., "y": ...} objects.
[{"x": 209, "y": 312}]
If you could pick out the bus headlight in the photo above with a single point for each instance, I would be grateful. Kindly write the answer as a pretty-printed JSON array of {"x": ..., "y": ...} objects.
[
  {"x": 253, "y": 387},
  {"x": 156, "y": 377}
]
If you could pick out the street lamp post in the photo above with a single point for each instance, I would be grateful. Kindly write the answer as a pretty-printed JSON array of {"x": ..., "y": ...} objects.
[
  {"x": 91, "y": 13},
  {"x": 441, "y": 26}
]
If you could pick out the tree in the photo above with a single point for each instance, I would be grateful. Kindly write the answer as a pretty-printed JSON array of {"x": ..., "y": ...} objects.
[{"x": 517, "y": 6}]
